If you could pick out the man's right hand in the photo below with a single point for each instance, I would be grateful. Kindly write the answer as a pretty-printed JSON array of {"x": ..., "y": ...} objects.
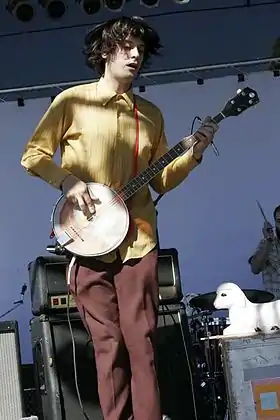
[
  {"x": 268, "y": 232},
  {"x": 77, "y": 193}
]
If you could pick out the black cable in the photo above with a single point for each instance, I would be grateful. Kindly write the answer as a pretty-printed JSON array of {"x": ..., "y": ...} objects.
[
  {"x": 74, "y": 357},
  {"x": 59, "y": 250},
  {"x": 197, "y": 118},
  {"x": 16, "y": 303},
  {"x": 179, "y": 327},
  {"x": 157, "y": 199}
]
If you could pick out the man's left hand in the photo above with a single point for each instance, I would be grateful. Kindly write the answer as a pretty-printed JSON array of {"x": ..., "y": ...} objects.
[{"x": 204, "y": 136}]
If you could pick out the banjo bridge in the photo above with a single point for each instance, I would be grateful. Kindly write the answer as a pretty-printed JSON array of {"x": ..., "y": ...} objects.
[{"x": 69, "y": 235}]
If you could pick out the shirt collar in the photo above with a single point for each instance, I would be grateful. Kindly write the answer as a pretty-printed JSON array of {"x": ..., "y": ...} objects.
[{"x": 106, "y": 94}]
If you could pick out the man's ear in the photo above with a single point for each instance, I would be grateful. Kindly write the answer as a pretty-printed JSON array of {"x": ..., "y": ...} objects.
[{"x": 104, "y": 56}]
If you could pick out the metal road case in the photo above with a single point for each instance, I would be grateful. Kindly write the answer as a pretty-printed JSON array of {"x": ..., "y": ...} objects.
[{"x": 252, "y": 373}]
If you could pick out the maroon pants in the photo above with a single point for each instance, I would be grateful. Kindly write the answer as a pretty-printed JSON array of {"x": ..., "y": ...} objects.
[{"x": 118, "y": 304}]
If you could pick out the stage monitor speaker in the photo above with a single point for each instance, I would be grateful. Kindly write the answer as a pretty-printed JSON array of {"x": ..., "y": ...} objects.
[
  {"x": 11, "y": 394},
  {"x": 53, "y": 361}
]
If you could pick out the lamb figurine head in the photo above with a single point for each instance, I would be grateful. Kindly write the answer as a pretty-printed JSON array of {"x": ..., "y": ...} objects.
[
  {"x": 230, "y": 295},
  {"x": 246, "y": 317}
]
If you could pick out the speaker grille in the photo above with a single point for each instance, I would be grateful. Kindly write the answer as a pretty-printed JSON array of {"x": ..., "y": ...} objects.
[{"x": 11, "y": 407}]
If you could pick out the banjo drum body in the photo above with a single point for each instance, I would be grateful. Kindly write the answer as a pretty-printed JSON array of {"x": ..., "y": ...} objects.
[{"x": 100, "y": 234}]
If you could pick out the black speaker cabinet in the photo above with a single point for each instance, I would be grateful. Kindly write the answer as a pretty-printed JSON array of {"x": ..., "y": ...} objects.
[
  {"x": 54, "y": 369},
  {"x": 175, "y": 363},
  {"x": 11, "y": 393},
  {"x": 53, "y": 360}
]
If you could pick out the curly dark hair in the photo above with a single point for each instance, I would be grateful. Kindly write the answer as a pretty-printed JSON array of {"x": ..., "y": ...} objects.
[{"x": 107, "y": 37}]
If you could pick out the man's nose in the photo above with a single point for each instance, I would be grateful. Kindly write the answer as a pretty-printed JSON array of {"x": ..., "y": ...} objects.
[{"x": 134, "y": 52}]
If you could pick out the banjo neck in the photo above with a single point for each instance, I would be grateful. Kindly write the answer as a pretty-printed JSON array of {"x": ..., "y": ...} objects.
[{"x": 144, "y": 177}]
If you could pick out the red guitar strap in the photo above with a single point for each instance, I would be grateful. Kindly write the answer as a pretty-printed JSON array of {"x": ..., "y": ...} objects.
[
  {"x": 136, "y": 139},
  {"x": 136, "y": 152}
]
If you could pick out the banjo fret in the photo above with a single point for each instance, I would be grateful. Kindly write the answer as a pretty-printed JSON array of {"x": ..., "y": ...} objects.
[{"x": 149, "y": 173}]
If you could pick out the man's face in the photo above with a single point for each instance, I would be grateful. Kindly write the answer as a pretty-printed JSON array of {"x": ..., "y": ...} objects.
[{"x": 127, "y": 60}]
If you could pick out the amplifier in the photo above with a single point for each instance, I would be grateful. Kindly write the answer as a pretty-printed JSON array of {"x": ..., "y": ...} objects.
[
  {"x": 53, "y": 361},
  {"x": 48, "y": 285},
  {"x": 11, "y": 394}
]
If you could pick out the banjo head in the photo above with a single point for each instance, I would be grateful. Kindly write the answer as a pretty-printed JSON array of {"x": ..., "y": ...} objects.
[{"x": 103, "y": 233}]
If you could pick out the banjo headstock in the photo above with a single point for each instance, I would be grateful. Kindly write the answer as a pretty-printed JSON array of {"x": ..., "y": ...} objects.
[{"x": 245, "y": 99}]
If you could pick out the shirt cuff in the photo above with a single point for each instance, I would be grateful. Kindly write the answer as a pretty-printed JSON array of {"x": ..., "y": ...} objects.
[
  {"x": 197, "y": 160},
  {"x": 49, "y": 171}
]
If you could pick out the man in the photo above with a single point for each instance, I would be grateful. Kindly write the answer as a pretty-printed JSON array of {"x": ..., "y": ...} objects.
[
  {"x": 95, "y": 127},
  {"x": 266, "y": 259}
]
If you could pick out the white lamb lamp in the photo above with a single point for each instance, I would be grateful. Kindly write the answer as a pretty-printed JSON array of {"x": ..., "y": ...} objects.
[{"x": 246, "y": 317}]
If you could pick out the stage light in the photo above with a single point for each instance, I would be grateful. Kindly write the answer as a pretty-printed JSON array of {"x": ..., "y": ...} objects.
[
  {"x": 20, "y": 102},
  {"x": 276, "y": 73},
  {"x": 114, "y": 5},
  {"x": 90, "y": 6},
  {"x": 200, "y": 81},
  {"x": 149, "y": 3},
  {"x": 21, "y": 9},
  {"x": 54, "y": 8},
  {"x": 240, "y": 77}
]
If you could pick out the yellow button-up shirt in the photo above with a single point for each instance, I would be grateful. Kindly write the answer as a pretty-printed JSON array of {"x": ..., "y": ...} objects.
[{"x": 95, "y": 129}]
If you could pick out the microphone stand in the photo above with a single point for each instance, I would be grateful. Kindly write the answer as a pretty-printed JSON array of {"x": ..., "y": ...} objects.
[{"x": 16, "y": 303}]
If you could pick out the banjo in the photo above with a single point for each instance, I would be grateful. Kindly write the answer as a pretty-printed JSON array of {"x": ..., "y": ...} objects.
[{"x": 106, "y": 229}]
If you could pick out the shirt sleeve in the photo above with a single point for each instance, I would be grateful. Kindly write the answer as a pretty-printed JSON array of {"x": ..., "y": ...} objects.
[
  {"x": 37, "y": 157},
  {"x": 259, "y": 248},
  {"x": 174, "y": 173}
]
